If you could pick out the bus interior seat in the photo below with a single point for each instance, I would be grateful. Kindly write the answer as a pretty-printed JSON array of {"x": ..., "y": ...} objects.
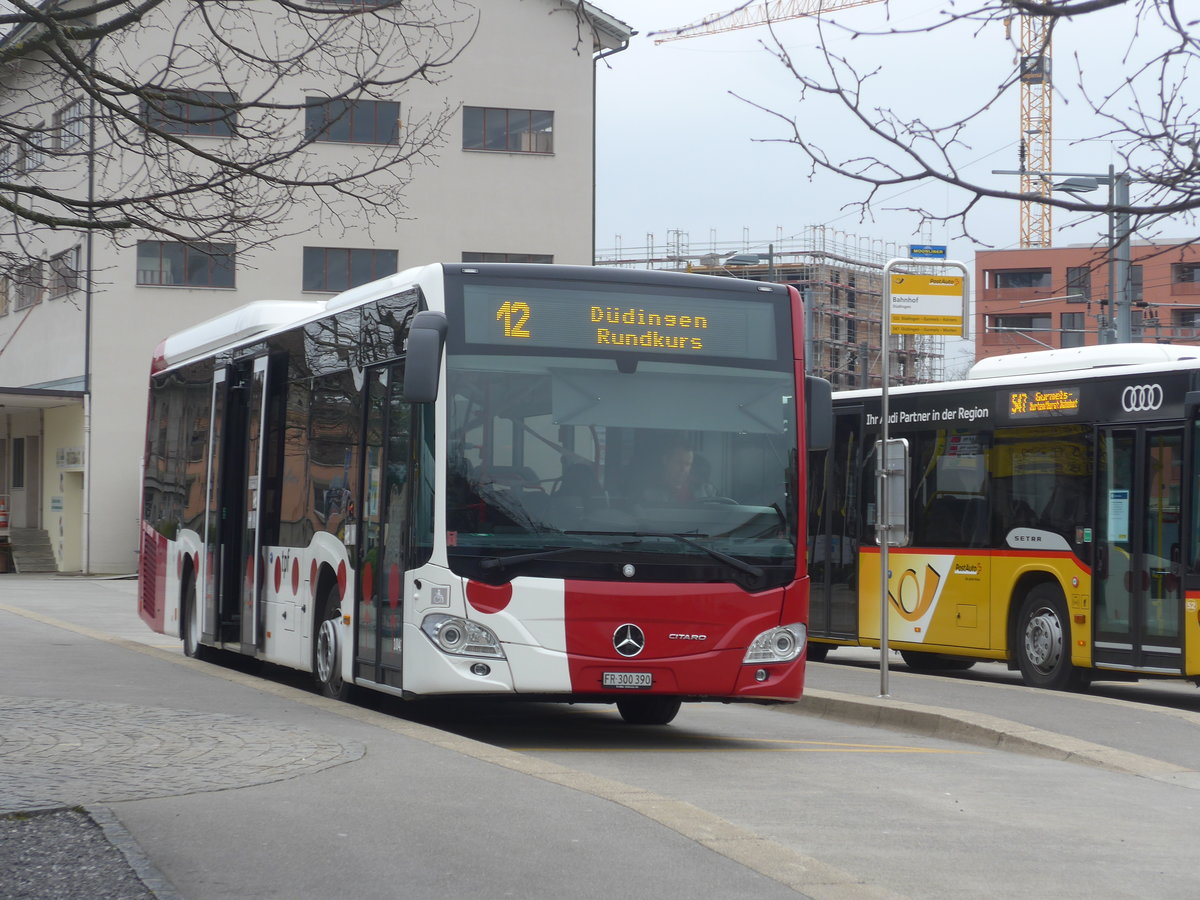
[{"x": 955, "y": 522}]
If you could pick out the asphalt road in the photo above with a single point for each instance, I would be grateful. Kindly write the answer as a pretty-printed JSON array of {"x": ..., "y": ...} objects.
[{"x": 977, "y": 786}]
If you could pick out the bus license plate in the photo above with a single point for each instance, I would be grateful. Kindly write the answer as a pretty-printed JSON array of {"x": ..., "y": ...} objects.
[{"x": 636, "y": 680}]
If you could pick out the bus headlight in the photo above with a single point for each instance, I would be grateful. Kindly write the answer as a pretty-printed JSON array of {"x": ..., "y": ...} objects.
[
  {"x": 461, "y": 637},
  {"x": 777, "y": 645}
]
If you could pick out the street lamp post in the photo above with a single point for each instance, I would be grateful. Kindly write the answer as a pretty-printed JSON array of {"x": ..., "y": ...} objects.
[{"x": 1119, "y": 293}]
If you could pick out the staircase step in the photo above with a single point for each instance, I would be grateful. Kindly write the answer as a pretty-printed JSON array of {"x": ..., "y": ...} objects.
[{"x": 31, "y": 551}]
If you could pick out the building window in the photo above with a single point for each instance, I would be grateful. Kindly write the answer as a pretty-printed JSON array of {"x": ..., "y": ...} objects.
[
  {"x": 3, "y": 296},
  {"x": 35, "y": 152},
  {"x": 338, "y": 268},
  {"x": 1073, "y": 325},
  {"x": 186, "y": 265},
  {"x": 508, "y": 130},
  {"x": 193, "y": 112},
  {"x": 1135, "y": 284},
  {"x": 69, "y": 126},
  {"x": 1188, "y": 318},
  {"x": 352, "y": 121},
  {"x": 540, "y": 258},
  {"x": 64, "y": 273},
  {"x": 1185, "y": 273},
  {"x": 1079, "y": 281},
  {"x": 1004, "y": 279},
  {"x": 30, "y": 284},
  {"x": 1040, "y": 322}
]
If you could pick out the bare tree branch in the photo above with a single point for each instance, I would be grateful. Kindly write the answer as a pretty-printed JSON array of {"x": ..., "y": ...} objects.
[
  {"x": 208, "y": 120},
  {"x": 1149, "y": 116}
]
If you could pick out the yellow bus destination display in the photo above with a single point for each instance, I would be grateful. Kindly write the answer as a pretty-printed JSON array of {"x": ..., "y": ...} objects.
[
  {"x": 1030, "y": 403},
  {"x": 551, "y": 318}
]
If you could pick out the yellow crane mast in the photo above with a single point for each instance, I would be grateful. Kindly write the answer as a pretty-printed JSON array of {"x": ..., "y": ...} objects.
[{"x": 1036, "y": 128}]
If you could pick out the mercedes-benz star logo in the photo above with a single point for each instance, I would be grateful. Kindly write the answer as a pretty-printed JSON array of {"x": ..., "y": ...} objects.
[{"x": 628, "y": 640}]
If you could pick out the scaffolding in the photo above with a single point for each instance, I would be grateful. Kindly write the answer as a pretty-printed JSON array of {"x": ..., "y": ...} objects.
[{"x": 840, "y": 278}]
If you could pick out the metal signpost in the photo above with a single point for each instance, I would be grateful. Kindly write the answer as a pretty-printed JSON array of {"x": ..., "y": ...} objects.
[{"x": 912, "y": 304}]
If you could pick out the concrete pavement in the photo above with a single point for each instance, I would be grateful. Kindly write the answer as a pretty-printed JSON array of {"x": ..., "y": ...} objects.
[
  {"x": 300, "y": 797},
  {"x": 238, "y": 786}
]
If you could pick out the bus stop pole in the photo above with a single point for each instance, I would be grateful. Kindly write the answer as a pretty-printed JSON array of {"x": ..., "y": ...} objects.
[{"x": 883, "y": 535}]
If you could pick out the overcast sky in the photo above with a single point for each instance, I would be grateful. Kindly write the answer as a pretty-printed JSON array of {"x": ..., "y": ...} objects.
[{"x": 677, "y": 151}]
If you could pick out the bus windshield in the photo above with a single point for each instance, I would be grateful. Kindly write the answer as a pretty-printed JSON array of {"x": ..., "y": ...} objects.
[{"x": 575, "y": 467}]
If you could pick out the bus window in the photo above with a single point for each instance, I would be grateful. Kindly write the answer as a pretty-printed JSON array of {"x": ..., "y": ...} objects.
[
  {"x": 950, "y": 489},
  {"x": 545, "y": 446},
  {"x": 1041, "y": 479}
]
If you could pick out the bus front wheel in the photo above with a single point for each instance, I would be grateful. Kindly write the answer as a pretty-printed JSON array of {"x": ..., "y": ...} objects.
[
  {"x": 817, "y": 652},
  {"x": 648, "y": 710},
  {"x": 327, "y": 649},
  {"x": 1044, "y": 642}
]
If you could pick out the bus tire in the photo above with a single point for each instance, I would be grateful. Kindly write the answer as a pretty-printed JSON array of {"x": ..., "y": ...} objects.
[
  {"x": 818, "y": 652},
  {"x": 1044, "y": 641},
  {"x": 922, "y": 661},
  {"x": 648, "y": 710},
  {"x": 192, "y": 625},
  {"x": 327, "y": 649}
]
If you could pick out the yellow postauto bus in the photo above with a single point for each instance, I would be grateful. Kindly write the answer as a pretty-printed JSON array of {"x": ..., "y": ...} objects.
[{"x": 1052, "y": 502}]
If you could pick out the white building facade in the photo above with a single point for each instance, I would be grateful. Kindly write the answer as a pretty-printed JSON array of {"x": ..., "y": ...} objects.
[{"x": 509, "y": 177}]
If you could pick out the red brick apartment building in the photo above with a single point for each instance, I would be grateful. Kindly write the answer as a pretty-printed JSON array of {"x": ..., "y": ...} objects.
[{"x": 1058, "y": 297}]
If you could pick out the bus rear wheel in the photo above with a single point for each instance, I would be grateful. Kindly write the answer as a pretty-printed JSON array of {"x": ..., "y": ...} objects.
[
  {"x": 327, "y": 649},
  {"x": 191, "y": 625},
  {"x": 1044, "y": 642},
  {"x": 922, "y": 661},
  {"x": 648, "y": 710}
]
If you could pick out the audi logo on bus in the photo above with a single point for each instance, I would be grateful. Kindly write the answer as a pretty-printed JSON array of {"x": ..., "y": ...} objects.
[{"x": 1142, "y": 397}]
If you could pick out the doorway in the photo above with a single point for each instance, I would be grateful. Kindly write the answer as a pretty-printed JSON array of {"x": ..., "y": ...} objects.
[{"x": 1137, "y": 587}]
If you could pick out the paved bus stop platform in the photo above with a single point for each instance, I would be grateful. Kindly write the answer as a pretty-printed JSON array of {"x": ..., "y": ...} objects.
[{"x": 109, "y": 731}]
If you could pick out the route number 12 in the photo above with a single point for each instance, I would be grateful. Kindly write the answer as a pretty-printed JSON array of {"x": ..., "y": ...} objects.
[{"x": 515, "y": 314}]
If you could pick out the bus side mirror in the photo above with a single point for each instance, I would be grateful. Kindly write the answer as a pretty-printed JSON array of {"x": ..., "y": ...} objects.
[
  {"x": 818, "y": 406},
  {"x": 423, "y": 363}
]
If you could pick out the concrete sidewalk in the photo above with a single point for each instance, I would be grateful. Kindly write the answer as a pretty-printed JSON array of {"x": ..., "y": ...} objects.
[
  {"x": 238, "y": 786},
  {"x": 231, "y": 785}
]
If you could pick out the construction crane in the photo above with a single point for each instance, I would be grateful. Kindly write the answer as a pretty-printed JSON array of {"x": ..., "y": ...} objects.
[
  {"x": 1036, "y": 130},
  {"x": 756, "y": 14}
]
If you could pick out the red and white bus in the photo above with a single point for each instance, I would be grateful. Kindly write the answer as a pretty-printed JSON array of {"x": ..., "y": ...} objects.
[{"x": 562, "y": 483}]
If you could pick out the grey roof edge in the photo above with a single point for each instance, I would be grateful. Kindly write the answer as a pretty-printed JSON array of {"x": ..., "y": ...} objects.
[{"x": 611, "y": 33}]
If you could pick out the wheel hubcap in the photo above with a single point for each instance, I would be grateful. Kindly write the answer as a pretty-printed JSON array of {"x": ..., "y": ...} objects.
[
  {"x": 327, "y": 651},
  {"x": 1044, "y": 640}
]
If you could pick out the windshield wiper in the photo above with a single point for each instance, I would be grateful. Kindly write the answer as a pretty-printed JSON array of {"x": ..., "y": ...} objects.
[
  {"x": 739, "y": 564},
  {"x": 503, "y": 562}
]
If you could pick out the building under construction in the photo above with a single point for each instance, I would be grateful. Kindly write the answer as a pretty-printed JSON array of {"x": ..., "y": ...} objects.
[{"x": 840, "y": 277}]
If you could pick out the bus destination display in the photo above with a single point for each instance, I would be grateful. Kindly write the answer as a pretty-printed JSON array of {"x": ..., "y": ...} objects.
[
  {"x": 553, "y": 318},
  {"x": 1038, "y": 403}
]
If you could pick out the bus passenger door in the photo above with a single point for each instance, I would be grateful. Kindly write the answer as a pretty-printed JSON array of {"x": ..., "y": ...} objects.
[
  {"x": 835, "y": 502},
  {"x": 385, "y": 539},
  {"x": 214, "y": 559},
  {"x": 1191, "y": 543},
  {"x": 238, "y": 398},
  {"x": 1137, "y": 610},
  {"x": 252, "y": 563}
]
